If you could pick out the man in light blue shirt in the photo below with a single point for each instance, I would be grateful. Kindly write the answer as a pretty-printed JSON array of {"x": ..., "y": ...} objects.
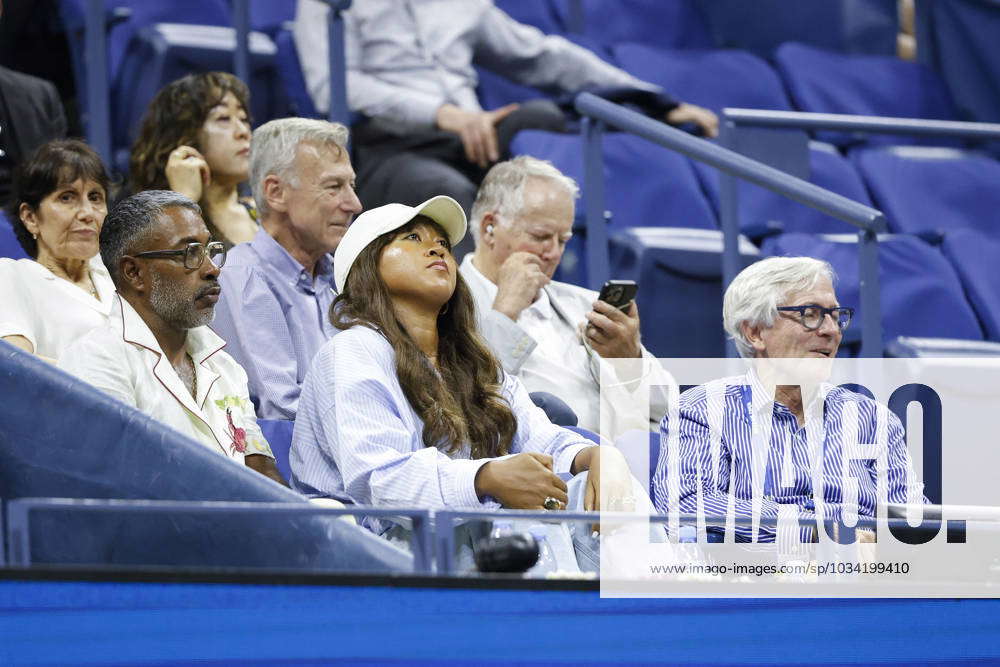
[{"x": 277, "y": 289}]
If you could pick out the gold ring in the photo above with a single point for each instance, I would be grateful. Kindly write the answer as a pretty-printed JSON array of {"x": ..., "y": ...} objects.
[{"x": 552, "y": 503}]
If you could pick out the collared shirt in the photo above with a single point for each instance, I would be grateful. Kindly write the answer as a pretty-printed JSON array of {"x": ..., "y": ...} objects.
[
  {"x": 405, "y": 58},
  {"x": 357, "y": 438},
  {"x": 123, "y": 359},
  {"x": 545, "y": 350},
  {"x": 274, "y": 316},
  {"x": 47, "y": 310},
  {"x": 842, "y": 428}
]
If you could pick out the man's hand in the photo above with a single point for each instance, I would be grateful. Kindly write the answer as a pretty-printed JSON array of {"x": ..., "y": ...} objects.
[
  {"x": 265, "y": 466},
  {"x": 700, "y": 116},
  {"x": 477, "y": 130},
  {"x": 518, "y": 281},
  {"x": 187, "y": 172},
  {"x": 612, "y": 333},
  {"x": 521, "y": 482}
]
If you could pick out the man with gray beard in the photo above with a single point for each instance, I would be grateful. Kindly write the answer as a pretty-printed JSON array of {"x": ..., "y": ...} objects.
[{"x": 156, "y": 353}]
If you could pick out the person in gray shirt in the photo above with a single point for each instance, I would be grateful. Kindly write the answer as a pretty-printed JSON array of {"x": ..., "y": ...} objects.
[{"x": 410, "y": 74}]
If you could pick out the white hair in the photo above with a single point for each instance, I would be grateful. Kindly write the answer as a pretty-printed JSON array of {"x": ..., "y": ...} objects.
[
  {"x": 502, "y": 191},
  {"x": 754, "y": 295},
  {"x": 274, "y": 144}
]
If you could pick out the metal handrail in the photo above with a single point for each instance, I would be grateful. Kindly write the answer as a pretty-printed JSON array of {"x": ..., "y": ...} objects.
[{"x": 869, "y": 220}]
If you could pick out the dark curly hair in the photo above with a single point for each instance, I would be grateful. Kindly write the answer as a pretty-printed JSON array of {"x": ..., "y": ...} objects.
[
  {"x": 174, "y": 117},
  {"x": 53, "y": 164},
  {"x": 460, "y": 402}
]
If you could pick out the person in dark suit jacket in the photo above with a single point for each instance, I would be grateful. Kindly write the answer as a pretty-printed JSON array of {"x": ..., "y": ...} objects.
[{"x": 30, "y": 115}]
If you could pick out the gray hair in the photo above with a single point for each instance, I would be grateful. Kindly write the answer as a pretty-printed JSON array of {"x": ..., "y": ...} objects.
[
  {"x": 756, "y": 292},
  {"x": 131, "y": 220},
  {"x": 273, "y": 147},
  {"x": 502, "y": 191}
]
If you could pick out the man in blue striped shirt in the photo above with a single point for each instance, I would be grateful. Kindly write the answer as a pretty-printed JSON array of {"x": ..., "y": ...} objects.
[{"x": 778, "y": 441}]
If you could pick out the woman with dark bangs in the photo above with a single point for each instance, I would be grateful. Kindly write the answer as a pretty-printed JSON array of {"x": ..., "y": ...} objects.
[
  {"x": 195, "y": 140},
  {"x": 63, "y": 290},
  {"x": 408, "y": 407}
]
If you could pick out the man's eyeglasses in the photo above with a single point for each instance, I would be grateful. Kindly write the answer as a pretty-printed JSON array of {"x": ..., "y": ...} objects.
[
  {"x": 194, "y": 254},
  {"x": 811, "y": 316}
]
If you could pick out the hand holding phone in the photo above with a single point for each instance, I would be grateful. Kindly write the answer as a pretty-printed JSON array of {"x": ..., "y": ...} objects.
[{"x": 619, "y": 293}]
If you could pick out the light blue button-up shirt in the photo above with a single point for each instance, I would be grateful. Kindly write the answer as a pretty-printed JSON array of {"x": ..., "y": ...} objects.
[
  {"x": 846, "y": 427},
  {"x": 274, "y": 317}
]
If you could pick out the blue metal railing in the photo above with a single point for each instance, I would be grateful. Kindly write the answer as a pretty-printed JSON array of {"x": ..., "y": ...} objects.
[
  {"x": 870, "y": 221},
  {"x": 733, "y": 119}
]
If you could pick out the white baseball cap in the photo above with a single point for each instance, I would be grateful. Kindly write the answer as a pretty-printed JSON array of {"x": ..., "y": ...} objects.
[{"x": 374, "y": 223}]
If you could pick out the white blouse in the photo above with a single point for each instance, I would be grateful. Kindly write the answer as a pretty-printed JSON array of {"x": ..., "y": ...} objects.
[{"x": 49, "y": 311}]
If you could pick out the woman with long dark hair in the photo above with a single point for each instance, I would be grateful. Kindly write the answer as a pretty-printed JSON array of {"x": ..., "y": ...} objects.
[
  {"x": 195, "y": 140},
  {"x": 407, "y": 406}
]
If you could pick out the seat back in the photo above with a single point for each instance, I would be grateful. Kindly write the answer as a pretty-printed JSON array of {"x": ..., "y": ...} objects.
[
  {"x": 920, "y": 292},
  {"x": 975, "y": 257},
  {"x": 680, "y": 286},
  {"x": 677, "y": 24},
  {"x": 714, "y": 79},
  {"x": 826, "y": 82},
  {"x": 9, "y": 245},
  {"x": 289, "y": 67},
  {"x": 278, "y": 433},
  {"x": 932, "y": 189},
  {"x": 761, "y": 210}
]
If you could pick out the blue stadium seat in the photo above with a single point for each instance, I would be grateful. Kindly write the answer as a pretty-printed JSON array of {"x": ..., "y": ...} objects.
[
  {"x": 677, "y": 24},
  {"x": 679, "y": 272},
  {"x": 846, "y": 26},
  {"x": 920, "y": 291},
  {"x": 494, "y": 91},
  {"x": 825, "y": 82},
  {"x": 539, "y": 13},
  {"x": 278, "y": 433},
  {"x": 270, "y": 16},
  {"x": 712, "y": 79},
  {"x": 975, "y": 257},
  {"x": 932, "y": 190},
  {"x": 9, "y": 247},
  {"x": 909, "y": 346},
  {"x": 763, "y": 211}
]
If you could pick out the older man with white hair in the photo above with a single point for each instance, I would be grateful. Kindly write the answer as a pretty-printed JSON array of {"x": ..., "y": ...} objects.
[
  {"x": 277, "y": 289},
  {"x": 764, "y": 429},
  {"x": 552, "y": 335}
]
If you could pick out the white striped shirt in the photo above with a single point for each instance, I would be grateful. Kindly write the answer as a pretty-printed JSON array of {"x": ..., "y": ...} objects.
[
  {"x": 358, "y": 439},
  {"x": 735, "y": 416}
]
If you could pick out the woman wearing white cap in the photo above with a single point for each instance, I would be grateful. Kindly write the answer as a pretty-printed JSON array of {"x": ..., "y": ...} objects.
[{"x": 407, "y": 406}]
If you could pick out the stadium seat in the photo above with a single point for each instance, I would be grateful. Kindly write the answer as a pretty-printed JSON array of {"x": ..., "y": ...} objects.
[
  {"x": 9, "y": 246},
  {"x": 539, "y": 13},
  {"x": 921, "y": 294},
  {"x": 713, "y": 79},
  {"x": 677, "y": 24},
  {"x": 300, "y": 102},
  {"x": 909, "y": 346},
  {"x": 62, "y": 438},
  {"x": 278, "y": 433},
  {"x": 975, "y": 257},
  {"x": 679, "y": 272},
  {"x": 851, "y": 26},
  {"x": 932, "y": 190},
  {"x": 764, "y": 212},
  {"x": 825, "y": 82},
  {"x": 269, "y": 16}
]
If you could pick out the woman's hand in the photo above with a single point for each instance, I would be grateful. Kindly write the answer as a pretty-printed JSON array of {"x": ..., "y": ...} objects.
[
  {"x": 607, "y": 464},
  {"x": 187, "y": 172},
  {"x": 521, "y": 482}
]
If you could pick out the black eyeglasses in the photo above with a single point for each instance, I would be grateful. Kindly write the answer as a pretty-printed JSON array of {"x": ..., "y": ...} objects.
[
  {"x": 811, "y": 316},
  {"x": 194, "y": 254}
]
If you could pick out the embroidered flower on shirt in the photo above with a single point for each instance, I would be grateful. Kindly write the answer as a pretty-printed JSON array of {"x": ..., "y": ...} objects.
[{"x": 239, "y": 435}]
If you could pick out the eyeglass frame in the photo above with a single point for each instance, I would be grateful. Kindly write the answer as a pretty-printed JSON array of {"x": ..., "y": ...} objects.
[
  {"x": 183, "y": 254},
  {"x": 825, "y": 311}
]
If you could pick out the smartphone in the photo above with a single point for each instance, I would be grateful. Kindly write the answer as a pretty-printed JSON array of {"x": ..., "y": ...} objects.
[{"x": 619, "y": 293}]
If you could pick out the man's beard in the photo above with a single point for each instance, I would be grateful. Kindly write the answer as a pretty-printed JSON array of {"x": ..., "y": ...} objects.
[{"x": 175, "y": 307}]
